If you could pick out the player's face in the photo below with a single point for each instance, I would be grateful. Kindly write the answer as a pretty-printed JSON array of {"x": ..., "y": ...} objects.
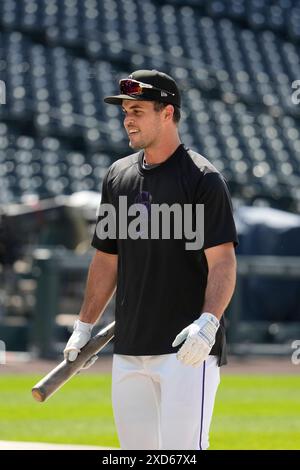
[{"x": 142, "y": 123}]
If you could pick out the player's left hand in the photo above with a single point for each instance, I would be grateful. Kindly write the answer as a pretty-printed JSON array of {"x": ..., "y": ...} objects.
[{"x": 199, "y": 337}]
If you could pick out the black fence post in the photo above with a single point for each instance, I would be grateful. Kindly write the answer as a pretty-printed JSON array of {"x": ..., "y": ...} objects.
[{"x": 46, "y": 267}]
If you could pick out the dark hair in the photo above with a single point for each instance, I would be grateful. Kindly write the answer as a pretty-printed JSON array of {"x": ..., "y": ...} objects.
[{"x": 158, "y": 106}]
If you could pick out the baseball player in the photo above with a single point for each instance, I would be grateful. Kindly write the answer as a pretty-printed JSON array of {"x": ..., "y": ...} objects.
[{"x": 170, "y": 299}]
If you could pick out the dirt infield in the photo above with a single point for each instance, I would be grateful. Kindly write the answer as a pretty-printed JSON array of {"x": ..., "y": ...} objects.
[{"x": 17, "y": 363}]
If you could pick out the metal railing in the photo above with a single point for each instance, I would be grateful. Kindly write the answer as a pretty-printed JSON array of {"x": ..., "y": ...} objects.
[
  {"x": 51, "y": 265},
  {"x": 280, "y": 267}
]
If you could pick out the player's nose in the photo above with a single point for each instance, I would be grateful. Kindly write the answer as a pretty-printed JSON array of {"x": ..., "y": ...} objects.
[{"x": 128, "y": 122}]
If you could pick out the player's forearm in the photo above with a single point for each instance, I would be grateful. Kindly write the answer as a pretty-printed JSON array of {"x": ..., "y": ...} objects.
[
  {"x": 101, "y": 284},
  {"x": 220, "y": 287}
]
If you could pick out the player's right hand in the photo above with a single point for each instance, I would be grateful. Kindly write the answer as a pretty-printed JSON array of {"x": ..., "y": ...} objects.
[{"x": 80, "y": 336}]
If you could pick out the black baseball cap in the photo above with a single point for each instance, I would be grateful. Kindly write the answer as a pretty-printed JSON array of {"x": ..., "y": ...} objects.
[{"x": 147, "y": 85}]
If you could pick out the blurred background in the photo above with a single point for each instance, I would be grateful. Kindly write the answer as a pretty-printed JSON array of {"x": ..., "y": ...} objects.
[{"x": 237, "y": 64}]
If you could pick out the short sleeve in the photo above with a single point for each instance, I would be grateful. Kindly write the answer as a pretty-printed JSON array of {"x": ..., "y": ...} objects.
[
  {"x": 108, "y": 245},
  {"x": 219, "y": 225}
]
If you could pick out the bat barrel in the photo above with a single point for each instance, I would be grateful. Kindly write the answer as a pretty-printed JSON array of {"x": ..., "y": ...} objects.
[
  {"x": 38, "y": 394},
  {"x": 54, "y": 380},
  {"x": 66, "y": 369}
]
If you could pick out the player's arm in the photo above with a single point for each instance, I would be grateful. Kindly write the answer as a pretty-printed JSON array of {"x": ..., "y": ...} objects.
[
  {"x": 221, "y": 279},
  {"x": 199, "y": 337},
  {"x": 100, "y": 286}
]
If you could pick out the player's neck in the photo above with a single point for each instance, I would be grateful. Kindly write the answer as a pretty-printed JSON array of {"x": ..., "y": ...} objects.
[{"x": 162, "y": 151}]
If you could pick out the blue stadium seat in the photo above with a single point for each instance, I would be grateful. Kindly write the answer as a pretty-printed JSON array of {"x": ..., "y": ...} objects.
[{"x": 235, "y": 62}]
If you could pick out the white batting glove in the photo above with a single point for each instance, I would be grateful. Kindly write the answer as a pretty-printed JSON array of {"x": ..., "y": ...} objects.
[
  {"x": 199, "y": 337},
  {"x": 80, "y": 336}
]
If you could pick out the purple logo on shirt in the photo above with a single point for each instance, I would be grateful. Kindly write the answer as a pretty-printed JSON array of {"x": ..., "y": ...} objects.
[{"x": 144, "y": 198}]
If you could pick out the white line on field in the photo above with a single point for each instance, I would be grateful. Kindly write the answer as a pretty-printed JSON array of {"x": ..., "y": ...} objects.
[{"x": 15, "y": 445}]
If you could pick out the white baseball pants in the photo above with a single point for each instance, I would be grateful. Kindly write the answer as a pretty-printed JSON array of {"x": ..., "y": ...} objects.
[{"x": 160, "y": 403}]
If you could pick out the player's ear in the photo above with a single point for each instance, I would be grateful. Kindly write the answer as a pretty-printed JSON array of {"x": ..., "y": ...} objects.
[{"x": 168, "y": 112}]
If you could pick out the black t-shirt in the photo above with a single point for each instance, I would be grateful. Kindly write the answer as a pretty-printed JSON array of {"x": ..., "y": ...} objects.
[{"x": 161, "y": 284}]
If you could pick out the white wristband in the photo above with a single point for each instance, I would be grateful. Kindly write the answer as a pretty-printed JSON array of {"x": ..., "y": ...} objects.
[
  {"x": 208, "y": 325},
  {"x": 82, "y": 326},
  {"x": 211, "y": 317}
]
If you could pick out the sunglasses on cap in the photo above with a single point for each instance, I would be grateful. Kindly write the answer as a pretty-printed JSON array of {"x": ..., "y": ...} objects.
[{"x": 133, "y": 87}]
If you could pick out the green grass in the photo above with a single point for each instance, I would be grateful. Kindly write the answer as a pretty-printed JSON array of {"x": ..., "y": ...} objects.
[
  {"x": 257, "y": 412},
  {"x": 79, "y": 413},
  {"x": 251, "y": 412}
]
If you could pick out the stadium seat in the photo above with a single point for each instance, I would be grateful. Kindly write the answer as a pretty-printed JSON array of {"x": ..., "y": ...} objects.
[{"x": 235, "y": 62}]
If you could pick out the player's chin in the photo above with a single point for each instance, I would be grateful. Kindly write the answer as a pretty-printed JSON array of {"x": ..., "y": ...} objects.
[{"x": 135, "y": 145}]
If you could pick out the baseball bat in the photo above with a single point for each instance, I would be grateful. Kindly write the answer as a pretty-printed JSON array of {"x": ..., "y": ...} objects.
[{"x": 65, "y": 370}]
